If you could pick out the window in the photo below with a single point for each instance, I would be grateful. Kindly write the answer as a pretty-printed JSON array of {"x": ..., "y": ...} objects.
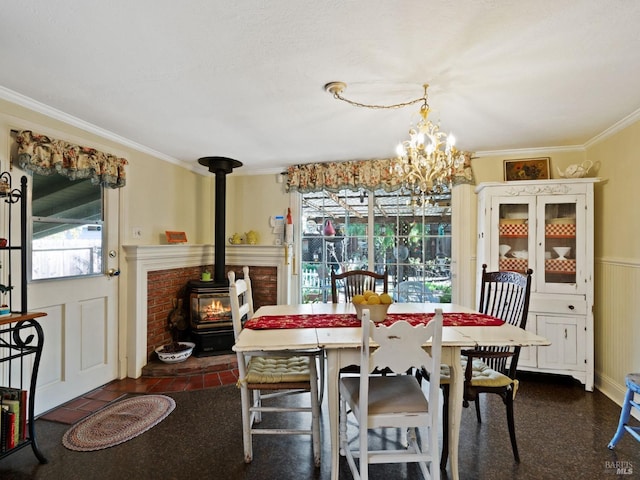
[
  {"x": 67, "y": 227},
  {"x": 408, "y": 237}
]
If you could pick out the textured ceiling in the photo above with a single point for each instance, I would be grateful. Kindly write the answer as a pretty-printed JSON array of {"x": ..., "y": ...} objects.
[{"x": 245, "y": 79}]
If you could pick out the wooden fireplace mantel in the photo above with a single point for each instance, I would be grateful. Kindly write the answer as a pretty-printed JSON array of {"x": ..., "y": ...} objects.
[{"x": 142, "y": 259}]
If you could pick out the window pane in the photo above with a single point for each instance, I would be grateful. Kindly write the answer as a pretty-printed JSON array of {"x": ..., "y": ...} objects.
[
  {"x": 413, "y": 239},
  {"x": 71, "y": 251},
  {"x": 55, "y": 196},
  {"x": 67, "y": 233}
]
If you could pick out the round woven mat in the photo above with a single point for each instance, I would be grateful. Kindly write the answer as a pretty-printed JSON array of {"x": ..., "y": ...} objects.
[{"x": 118, "y": 423}]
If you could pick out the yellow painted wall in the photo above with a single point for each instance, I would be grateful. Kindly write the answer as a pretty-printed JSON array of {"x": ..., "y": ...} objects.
[
  {"x": 158, "y": 194},
  {"x": 617, "y": 228},
  {"x": 162, "y": 196},
  {"x": 254, "y": 199}
]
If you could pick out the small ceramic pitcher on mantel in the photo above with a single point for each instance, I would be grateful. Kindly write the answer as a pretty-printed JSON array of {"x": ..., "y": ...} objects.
[{"x": 252, "y": 237}]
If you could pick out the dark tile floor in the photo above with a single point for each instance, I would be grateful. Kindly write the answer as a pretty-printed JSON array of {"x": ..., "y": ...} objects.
[
  {"x": 193, "y": 374},
  {"x": 562, "y": 430}
]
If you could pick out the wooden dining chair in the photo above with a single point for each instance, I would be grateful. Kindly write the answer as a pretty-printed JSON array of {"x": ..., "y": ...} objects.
[
  {"x": 504, "y": 295},
  {"x": 355, "y": 282},
  {"x": 393, "y": 401},
  {"x": 345, "y": 285},
  {"x": 279, "y": 374}
]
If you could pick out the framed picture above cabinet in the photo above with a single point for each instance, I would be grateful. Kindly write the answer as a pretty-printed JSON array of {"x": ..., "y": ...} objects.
[{"x": 527, "y": 169}]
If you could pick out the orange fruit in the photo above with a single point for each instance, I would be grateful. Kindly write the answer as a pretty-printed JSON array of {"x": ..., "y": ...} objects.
[
  {"x": 373, "y": 300},
  {"x": 386, "y": 299},
  {"x": 358, "y": 299}
]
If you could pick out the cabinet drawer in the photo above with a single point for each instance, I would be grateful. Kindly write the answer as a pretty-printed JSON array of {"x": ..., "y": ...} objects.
[{"x": 565, "y": 305}]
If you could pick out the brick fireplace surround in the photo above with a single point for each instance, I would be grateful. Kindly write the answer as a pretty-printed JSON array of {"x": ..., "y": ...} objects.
[
  {"x": 155, "y": 275},
  {"x": 165, "y": 285}
]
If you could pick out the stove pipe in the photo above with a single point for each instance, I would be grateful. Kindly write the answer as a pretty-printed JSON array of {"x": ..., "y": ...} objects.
[{"x": 221, "y": 166}]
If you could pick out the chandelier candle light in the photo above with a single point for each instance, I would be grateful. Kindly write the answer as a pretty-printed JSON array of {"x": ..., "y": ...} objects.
[{"x": 428, "y": 159}]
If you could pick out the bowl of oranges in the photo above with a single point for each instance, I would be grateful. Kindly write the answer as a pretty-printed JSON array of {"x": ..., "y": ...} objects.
[{"x": 377, "y": 304}]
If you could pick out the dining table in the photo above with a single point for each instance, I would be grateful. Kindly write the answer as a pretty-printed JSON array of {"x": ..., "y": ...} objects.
[{"x": 334, "y": 328}]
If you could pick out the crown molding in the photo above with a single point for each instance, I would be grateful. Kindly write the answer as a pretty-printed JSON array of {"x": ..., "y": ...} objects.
[
  {"x": 527, "y": 152},
  {"x": 630, "y": 119},
  {"x": 34, "y": 105}
]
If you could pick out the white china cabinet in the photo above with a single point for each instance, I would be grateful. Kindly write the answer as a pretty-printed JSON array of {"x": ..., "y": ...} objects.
[{"x": 546, "y": 225}]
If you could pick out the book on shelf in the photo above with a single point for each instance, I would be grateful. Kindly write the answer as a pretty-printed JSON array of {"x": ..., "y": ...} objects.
[
  {"x": 16, "y": 400},
  {"x": 8, "y": 428},
  {"x": 23, "y": 415},
  {"x": 13, "y": 434},
  {"x": 4, "y": 427}
]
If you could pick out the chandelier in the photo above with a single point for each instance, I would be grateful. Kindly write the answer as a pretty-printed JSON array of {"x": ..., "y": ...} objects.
[{"x": 426, "y": 161}]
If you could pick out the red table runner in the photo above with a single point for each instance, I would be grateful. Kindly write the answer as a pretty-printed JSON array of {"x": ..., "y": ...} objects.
[{"x": 350, "y": 320}]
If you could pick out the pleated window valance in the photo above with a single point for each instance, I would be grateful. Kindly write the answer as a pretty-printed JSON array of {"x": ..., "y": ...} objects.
[
  {"x": 45, "y": 156},
  {"x": 354, "y": 175}
]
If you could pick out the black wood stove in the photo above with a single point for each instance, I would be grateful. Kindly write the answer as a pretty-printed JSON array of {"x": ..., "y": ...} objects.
[
  {"x": 210, "y": 318},
  {"x": 209, "y": 305}
]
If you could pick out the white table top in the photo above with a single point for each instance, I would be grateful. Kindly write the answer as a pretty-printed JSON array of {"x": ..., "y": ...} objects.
[
  {"x": 349, "y": 337},
  {"x": 281, "y": 339}
]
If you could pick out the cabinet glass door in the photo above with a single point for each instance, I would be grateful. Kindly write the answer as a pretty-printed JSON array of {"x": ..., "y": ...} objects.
[
  {"x": 514, "y": 247},
  {"x": 561, "y": 240}
]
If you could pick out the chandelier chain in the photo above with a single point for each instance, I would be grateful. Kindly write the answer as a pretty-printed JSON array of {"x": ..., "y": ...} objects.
[
  {"x": 379, "y": 107},
  {"x": 336, "y": 89}
]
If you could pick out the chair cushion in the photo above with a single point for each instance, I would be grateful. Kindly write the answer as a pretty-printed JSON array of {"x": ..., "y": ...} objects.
[
  {"x": 445, "y": 371},
  {"x": 388, "y": 394},
  {"x": 277, "y": 370},
  {"x": 482, "y": 375}
]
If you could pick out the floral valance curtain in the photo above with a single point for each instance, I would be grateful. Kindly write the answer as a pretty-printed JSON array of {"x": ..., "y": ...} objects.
[
  {"x": 354, "y": 175},
  {"x": 46, "y": 156}
]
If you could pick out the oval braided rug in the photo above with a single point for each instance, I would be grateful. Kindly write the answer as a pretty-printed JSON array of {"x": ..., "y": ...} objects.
[{"x": 118, "y": 423}]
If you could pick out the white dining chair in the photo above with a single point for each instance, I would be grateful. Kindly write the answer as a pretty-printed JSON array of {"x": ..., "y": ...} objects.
[
  {"x": 280, "y": 374},
  {"x": 395, "y": 400}
]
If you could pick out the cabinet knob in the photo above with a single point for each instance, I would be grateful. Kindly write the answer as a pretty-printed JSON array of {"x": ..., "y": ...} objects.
[{"x": 571, "y": 307}]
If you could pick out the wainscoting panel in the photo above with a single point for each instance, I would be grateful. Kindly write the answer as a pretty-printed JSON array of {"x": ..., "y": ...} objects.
[{"x": 617, "y": 324}]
